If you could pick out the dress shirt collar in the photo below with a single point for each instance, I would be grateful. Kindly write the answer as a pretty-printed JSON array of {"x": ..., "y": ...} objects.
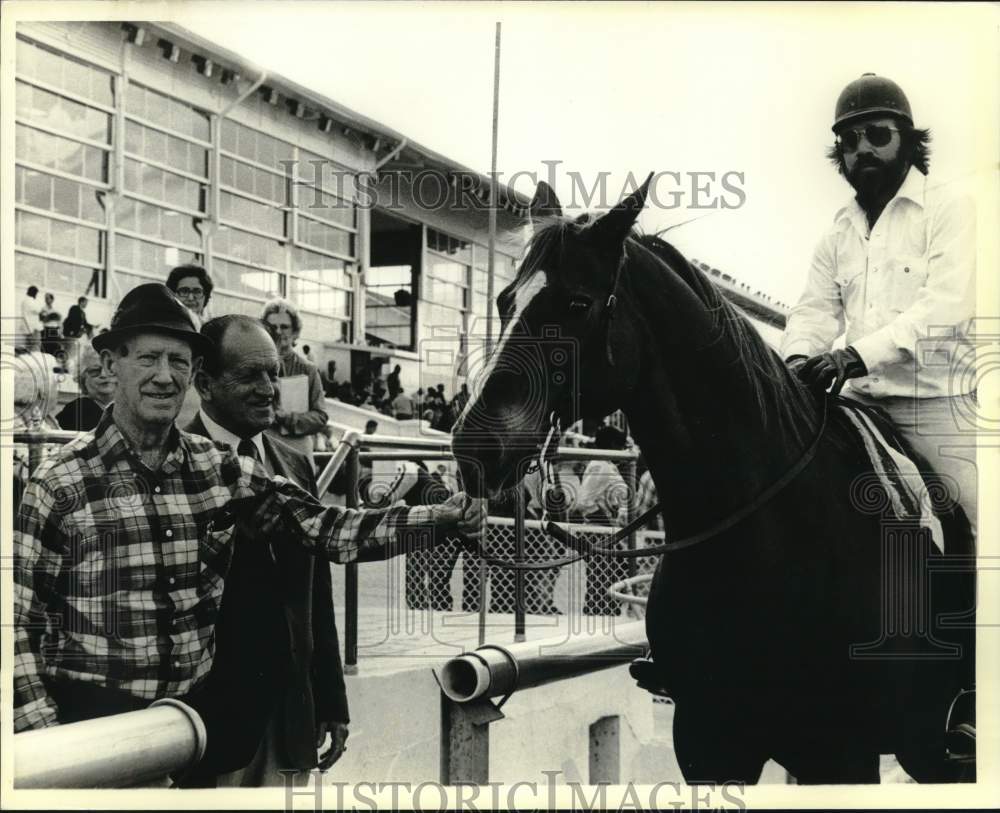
[
  {"x": 912, "y": 189},
  {"x": 219, "y": 433},
  {"x": 113, "y": 445}
]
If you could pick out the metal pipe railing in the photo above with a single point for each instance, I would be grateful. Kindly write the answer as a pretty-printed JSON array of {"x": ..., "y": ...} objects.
[
  {"x": 348, "y": 442},
  {"x": 123, "y": 750},
  {"x": 492, "y": 671}
]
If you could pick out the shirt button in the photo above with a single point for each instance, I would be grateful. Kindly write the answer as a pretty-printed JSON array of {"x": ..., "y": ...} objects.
[
  {"x": 169, "y": 533},
  {"x": 875, "y": 380},
  {"x": 177, "y": 664},
  {"x": 172, "y": 580},
  {"x": 157, "y": 489},
  {"x": 907, "y": 269}
]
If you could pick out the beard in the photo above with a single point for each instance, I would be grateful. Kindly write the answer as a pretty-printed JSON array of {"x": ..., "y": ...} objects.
[{"x": 874, "y": 179}]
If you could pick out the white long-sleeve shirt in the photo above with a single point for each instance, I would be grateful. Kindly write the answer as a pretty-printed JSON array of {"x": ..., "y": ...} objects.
[{"x": 906, "y": 290}]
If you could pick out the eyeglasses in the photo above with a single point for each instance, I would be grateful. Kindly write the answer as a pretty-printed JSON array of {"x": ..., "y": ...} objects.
[
  {"x": 878, "y": 135},
  {"x": 190, "y": 292}
]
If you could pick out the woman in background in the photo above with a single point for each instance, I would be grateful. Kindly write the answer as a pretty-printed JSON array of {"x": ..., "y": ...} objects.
[{"x": 97, "y": 390}]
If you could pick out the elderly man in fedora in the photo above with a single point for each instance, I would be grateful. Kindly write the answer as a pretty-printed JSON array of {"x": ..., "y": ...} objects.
[{"x": 125, "y": 536}]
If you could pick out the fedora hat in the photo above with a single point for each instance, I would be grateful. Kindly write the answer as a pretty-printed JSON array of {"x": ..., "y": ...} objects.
[{"x": 152, "y": 308}]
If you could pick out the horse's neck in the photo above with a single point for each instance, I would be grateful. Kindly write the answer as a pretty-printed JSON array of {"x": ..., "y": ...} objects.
[{"x": 697, "y": 417}]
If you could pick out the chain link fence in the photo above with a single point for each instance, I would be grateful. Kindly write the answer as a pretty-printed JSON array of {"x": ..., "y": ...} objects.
[{"x": 448, "y": 578}]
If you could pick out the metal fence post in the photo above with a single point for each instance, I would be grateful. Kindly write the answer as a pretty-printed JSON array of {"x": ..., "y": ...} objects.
[
  {"x": 351, "y": 575},
  {"x": 632, "y": 481},
  {"x": 465, "y": 741},
  {"x": 519, "y": 634}
]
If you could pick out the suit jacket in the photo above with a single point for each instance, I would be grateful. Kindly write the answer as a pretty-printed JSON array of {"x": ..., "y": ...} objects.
[{"x": 266, "y": 663}]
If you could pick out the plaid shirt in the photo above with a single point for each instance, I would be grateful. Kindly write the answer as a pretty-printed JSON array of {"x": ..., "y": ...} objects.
[{"x": 119, "y": 570}]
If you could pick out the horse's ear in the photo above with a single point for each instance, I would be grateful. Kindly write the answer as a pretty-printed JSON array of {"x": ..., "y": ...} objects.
[
  {"x": 545, "y": 203},
  {"x": 612, "y": 228}
]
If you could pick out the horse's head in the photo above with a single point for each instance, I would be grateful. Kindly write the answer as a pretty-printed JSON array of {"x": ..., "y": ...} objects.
[{"x": 556, "y": 319}]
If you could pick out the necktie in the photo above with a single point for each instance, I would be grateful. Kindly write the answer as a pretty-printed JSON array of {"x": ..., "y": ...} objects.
[{"x": 247, "y": 448}]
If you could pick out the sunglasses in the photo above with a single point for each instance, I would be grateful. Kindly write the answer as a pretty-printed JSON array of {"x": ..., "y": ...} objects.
[{"x": 878, "y": 135}]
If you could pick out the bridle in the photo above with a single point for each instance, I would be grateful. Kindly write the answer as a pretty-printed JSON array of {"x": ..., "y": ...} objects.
[{"x": 585, "y": 550}]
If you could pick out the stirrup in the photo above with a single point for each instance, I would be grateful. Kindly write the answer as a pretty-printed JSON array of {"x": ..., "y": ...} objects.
[{"x": 643, "y": 672}]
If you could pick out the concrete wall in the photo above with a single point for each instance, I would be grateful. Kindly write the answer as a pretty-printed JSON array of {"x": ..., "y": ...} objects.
[{"x": 396, "y": 730}]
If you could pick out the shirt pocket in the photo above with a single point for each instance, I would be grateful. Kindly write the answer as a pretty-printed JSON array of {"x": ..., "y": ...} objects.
[
  {"x": 907, "y": 275},
  {"x": 850, "y": 279}
]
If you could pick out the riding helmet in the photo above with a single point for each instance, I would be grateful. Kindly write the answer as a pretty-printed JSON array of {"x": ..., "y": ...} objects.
[{"x": 870, "y": 95}]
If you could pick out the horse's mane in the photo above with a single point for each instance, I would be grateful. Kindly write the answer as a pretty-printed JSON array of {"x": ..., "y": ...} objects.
[{"x": 776, "y": 391}]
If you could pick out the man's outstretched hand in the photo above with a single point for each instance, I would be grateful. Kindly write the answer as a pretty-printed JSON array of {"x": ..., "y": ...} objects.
[
  {"x": 833, "y": 367},
  {"x": 467, "y": 514}
]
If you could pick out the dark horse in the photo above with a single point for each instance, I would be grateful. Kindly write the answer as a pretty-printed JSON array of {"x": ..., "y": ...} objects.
[{"x": 813, "y": 631}]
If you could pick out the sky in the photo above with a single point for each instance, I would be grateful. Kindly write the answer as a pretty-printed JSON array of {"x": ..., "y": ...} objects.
[{"x": 745, "y": 91}]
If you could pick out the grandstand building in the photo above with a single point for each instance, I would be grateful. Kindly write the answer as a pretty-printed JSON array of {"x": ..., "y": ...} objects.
[{"x": 142, "y": 146}]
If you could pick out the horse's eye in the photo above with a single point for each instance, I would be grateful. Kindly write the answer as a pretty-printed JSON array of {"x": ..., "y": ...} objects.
[{"x": 579, "y": 305}]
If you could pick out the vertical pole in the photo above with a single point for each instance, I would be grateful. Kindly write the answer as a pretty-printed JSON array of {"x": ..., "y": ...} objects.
[
  {"x": 490, "y": 292},
  {"x": 491, "y": 262},
  {"x": 351, "y": 576},
  {"x": 519, "y": 574},
  {"x": 632, "y": 481},
  {"x": 465, "y": 741},
  {"x": 483, "y": 576}
]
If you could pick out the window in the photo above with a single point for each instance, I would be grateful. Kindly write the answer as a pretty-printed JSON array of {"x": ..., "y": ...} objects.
[
  {"x": 328, "y": 238},
  {"x": 62, "y": 154},
  {"x": 155, "y": 221},
  {"x": 62, "y": 114},
  {"x": 158, "y": 184},
  {"x": 250, "y": 248},
  {"x": 68, "y": 240},
  {"x": 254, "y": 145},
  {"x": 152, "y": 258},
  {"x": 55, "y": 275},
  {"x": 167, "y": 112},
  {"x": 155, "y": 145},
  {"x": 253, "y": 180},
  {"x": 64, "y": 72},
  {"x": 252, "y": 215},
  {"x": 244, "y": 279},
  {"x": 43, "y": 191}
]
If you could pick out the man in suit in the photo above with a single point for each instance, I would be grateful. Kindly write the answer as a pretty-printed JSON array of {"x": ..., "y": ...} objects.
[{"x": 277, "y": 684}]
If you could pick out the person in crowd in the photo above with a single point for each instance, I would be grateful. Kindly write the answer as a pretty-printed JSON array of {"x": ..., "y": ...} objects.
[
  {"x": 402, "y": 406},
  {"x": 393, "y": 384},
  {"x": 602, "y": 500},
  {"x": 91, "y": 636},
  {"x": 459, "y": 401},
  {"x": 31, "y": 325},
  {"x": 277, "y": 676},
  {"x": 898, "y": 269},
  {"x": 36, "y": 400},
  {"x": 97, "y": 389},
  {"x": 193, "y": 286},
  {"x": 49, "y": 319},
  {"x": 371, "y": 427},
  {"x": 307, "y": 354},
  {"x": 75, "y": 324},
  {"x": 296, "y": 424}
]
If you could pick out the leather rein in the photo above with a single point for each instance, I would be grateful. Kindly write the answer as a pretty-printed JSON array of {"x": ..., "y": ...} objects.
[{"x": 585, "y": 549}]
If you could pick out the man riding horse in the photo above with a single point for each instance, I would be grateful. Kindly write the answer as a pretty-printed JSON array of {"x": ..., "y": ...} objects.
[{"x": 899, "y": 267}]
